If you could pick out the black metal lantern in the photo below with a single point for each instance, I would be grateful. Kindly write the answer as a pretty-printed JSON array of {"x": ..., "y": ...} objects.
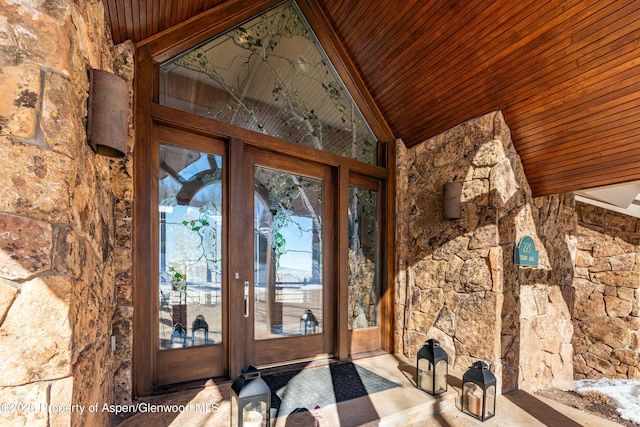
[
  {"x": 250, "y": 399},
  {"x": 309, "y": 322},
  {"x": 479, "y": 392},
  {"x": 432, "y": 368},
  {"x": 178, "y": 336}
]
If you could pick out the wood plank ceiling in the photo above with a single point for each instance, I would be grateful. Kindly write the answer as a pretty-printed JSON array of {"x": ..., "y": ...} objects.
[{"x": 565, "y": 73}]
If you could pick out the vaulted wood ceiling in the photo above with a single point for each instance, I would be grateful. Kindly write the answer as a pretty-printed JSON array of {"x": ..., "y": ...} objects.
[{"x": 565, "y": 73}]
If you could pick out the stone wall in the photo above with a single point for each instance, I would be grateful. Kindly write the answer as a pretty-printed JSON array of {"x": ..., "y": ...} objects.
[
  {"x": 607, "y": 295},
  {"x": 63, "y": 215},
  {"x": 456, "y": 279},
  {"x": 122, "y": 188}
]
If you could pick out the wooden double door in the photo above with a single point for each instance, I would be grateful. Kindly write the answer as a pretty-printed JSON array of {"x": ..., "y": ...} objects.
[{"x": 244, "y": 243}]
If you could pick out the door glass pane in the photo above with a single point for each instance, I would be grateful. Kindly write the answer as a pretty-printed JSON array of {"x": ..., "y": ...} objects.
[
  {"x": 363, "y": 258},
  {"x": 270, "y": 75},
  {"x": 287, "y": 254},
  {"x": 190, "y": 232}
]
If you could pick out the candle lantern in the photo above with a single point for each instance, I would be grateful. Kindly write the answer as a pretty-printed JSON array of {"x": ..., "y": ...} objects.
[
  {"x": 309, "y": 322},
  {"x": 479, "y": 392},
  {"x": 250, "y": 399},
  {"x": 178, "y": 336},
  {"x": 432, "y": 368}
]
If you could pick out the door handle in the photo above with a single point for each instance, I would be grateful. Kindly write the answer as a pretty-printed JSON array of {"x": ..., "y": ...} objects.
[{"x": 246, "y": 298}]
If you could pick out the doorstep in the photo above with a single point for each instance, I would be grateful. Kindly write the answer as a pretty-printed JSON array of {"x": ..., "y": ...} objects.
[{"x": 400, "y": 406}]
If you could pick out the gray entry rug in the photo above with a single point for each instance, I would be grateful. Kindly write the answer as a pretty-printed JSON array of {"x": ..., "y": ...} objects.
[{"x": 312, "y": 388}]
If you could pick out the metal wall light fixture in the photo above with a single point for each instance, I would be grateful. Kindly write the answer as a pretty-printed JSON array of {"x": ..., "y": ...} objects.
[
  {"x": 451, "y": 201},
  {"x": 108, "y": 110}
]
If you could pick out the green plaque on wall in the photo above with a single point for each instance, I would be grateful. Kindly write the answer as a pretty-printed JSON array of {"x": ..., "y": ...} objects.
[{"x": 525, "y": 253}]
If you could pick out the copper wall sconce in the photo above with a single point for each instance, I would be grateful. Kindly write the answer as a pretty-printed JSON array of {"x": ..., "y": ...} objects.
[
  {"x": 108, "y": 111},
  {"x": 451, "y": 201}
]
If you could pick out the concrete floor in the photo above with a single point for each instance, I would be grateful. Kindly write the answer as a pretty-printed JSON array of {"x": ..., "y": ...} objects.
[{"x": 401, "y": 406}]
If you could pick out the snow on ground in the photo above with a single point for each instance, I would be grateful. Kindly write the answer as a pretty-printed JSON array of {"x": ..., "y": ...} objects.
[{"x": 625, "y": 394}]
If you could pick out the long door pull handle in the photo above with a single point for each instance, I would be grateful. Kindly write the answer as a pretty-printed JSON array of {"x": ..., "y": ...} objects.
[{"x": 246, "y": 298}]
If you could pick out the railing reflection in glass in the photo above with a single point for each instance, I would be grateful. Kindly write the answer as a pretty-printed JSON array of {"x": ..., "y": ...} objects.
[
  {"x": 288, "y": 254},
  {"x": 189, "y": 229}
]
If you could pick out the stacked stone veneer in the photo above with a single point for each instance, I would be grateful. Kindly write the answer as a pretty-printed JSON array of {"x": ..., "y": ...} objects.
[
  {"x": 607, "y": 295},
  {"x": 64, "y": 217},
  {"x": 457, "y": 281}
]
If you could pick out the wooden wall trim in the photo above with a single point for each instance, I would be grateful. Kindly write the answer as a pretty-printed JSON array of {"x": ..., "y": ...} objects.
[
  {"x": 143, "y": 348},
  {"x": 182, "y": 120},
  {"x": 195, "y": 30},
  {"x": 389, "y": 251}
]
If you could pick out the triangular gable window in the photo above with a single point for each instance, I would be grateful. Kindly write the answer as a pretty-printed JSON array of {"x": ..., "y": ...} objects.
[{"x": 270, "y": 75}]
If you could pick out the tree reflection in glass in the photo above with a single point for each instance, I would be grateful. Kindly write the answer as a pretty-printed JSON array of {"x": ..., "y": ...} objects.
[
  {"x": 189, "y": 228},
  {"x": 288, "y": 254}
]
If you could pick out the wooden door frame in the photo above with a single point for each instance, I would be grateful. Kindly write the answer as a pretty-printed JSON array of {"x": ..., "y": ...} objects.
[
  {"x": 365, "y": 339},
  {"x": 170, "y": 359},
  {"x": 160, "y": 47},
  {"x": 324, "y": 343}
]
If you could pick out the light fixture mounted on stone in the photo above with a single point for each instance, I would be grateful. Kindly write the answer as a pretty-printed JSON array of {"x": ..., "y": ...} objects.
[
  {"x": 108, "y": 110},
  {"x": 451, "y": 201}
]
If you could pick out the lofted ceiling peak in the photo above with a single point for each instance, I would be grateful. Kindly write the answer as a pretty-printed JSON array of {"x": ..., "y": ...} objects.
[{"x": 564, "y": 74}]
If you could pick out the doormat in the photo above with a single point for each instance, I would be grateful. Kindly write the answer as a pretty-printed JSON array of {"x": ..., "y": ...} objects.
[{"x": 313, "y": 388}]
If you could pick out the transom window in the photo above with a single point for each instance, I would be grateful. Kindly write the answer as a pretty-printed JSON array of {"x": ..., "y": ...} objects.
[{"x": 270, "y": 75}]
